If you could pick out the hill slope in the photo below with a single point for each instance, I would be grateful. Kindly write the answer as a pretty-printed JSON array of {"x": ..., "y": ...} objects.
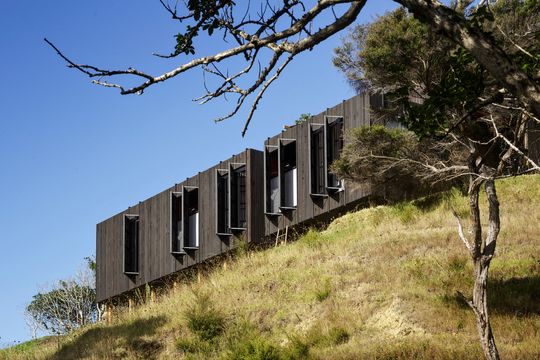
[{"x": 378, "y": 283}]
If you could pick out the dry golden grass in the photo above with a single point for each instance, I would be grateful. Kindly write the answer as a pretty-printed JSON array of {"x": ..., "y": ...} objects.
[{"x": 379, "y": 283}]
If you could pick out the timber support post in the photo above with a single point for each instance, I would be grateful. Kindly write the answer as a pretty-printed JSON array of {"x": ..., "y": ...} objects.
[{"x": 108, "y": 313}]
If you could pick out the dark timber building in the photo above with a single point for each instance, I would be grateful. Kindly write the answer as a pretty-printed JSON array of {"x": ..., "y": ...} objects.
[
  {"x": 181, "y": 226},
  {"x": 253, "y": 195}
]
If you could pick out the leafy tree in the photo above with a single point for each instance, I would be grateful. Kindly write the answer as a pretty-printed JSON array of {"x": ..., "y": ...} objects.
[
  {"x": 463, "y": 123},
  {"x": 68, "y": 305},
  {"x": 269, "y": 35}
]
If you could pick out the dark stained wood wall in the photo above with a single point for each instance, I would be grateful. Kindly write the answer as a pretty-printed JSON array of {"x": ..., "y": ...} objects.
[
  {"x": 155, "y": 259},
  {"x": 533, "y": 141},
  {"x": 355, "y": 112}
]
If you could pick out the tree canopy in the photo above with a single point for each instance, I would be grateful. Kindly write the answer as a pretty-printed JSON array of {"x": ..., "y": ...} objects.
[{"x": 67, "y": 305}]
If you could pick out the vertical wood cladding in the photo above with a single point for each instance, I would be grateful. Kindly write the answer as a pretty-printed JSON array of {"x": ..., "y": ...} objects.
[
  {"x": 154, "y": 214},
  {"x": 533, "y": 141},
  {"x": 314, "y": 203}
]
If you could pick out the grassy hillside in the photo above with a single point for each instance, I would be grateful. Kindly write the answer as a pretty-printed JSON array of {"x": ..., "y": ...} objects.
[{"x": 379, "y": 283}]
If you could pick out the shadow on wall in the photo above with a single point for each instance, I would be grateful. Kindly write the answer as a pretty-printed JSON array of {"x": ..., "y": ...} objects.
[{"x": 117, "y": 341}]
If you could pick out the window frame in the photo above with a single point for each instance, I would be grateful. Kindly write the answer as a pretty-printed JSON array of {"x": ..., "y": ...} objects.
[
  {"x": 267, "y": 150},
  {"x": 220, "y": 173},
  {"x": 330, "y": 121},
  {"x": 233, "y": 167},
  {"x": 311, "y": 130},
  {"x": 185, "y": 225},
  {"x": 174, "y": 195},
  {"x": 281, "y": 179},
  {"x": 124, "y": 223}
]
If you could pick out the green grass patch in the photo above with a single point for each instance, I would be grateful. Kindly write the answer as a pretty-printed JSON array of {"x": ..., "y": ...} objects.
[{"x": 203, "y": 319}]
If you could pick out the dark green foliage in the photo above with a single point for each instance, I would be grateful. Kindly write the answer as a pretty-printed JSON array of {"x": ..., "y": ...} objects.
[
  {"x": 205, "y": 14},
  {"x": 203, "y": 319},
  {"x": 386, "y": 52},
  {"x": 91, "y": 263},
  {"x": 400, "y": 55},
  {"x": 240, "y": 340},
  {"x": 457, "y": 89},
  {"x": 354, "y": 162},
  {"x": 404, "y": 58},
  {"x": 259, "y": 348},
  {"x": 514, "y": 17},
  {"x": 302, "y": 118}
]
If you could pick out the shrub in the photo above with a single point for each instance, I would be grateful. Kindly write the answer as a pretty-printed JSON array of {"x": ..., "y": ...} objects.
[
  {"x": 203, "y": 319},
  {"x": 338, "y": 336},
  {"x": 256, "y": 348},
  {"x": 241, "y": 246},
  {"x": 406, "y": 212},
  {"x": 324, "y": 293},
  {"x": 311, "y": 239},
  {"x": 297, "y": 349}
]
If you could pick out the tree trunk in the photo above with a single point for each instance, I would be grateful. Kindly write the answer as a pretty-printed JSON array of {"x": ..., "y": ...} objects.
[
  {"x": 482, "y": 252},
  {"x": 480, "y": 307}
]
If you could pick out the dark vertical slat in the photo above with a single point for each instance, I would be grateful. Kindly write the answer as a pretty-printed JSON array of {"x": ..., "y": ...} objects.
[{"x": 255, "y": 196}]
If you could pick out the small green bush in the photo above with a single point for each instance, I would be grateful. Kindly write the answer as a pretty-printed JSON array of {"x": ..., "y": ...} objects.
[
  {"x": 311, "y": 239},
  {"x": 406, "y": 212},
  {"x": 296, "y": 350},
  {"x": 256, "y": 348},
  {"x": 203, "y": 319},
  {"x": 241, "y": 246},
  {"x": 338, "y": 336},
  {"x": 417, "y": 268},
  {"x": 324, "y": 293}
]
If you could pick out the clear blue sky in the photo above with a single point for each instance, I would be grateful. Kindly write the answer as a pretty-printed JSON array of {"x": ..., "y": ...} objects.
[{"x": 72, "y": 154}]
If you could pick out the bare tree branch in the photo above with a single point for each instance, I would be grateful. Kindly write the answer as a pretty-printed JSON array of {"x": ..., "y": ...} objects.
[
  {"x": 461, "y": 234},
  {"x": 249, "y": 43}
]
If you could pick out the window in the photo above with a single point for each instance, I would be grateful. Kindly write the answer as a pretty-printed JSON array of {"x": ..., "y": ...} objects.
[
  {"x": 288, "y": 174},
  {"x": 222, "y": 203},
  {"x": 271, "y": 160},
  {"x": 177, "y": 237},
  {"x": 191, "y": 217},
  {"x": 334, "y": 145},
  {"x": 317, "y": 160},
  {"x": 131, "y": 244},
  {"x": 238, "y": 197}
]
